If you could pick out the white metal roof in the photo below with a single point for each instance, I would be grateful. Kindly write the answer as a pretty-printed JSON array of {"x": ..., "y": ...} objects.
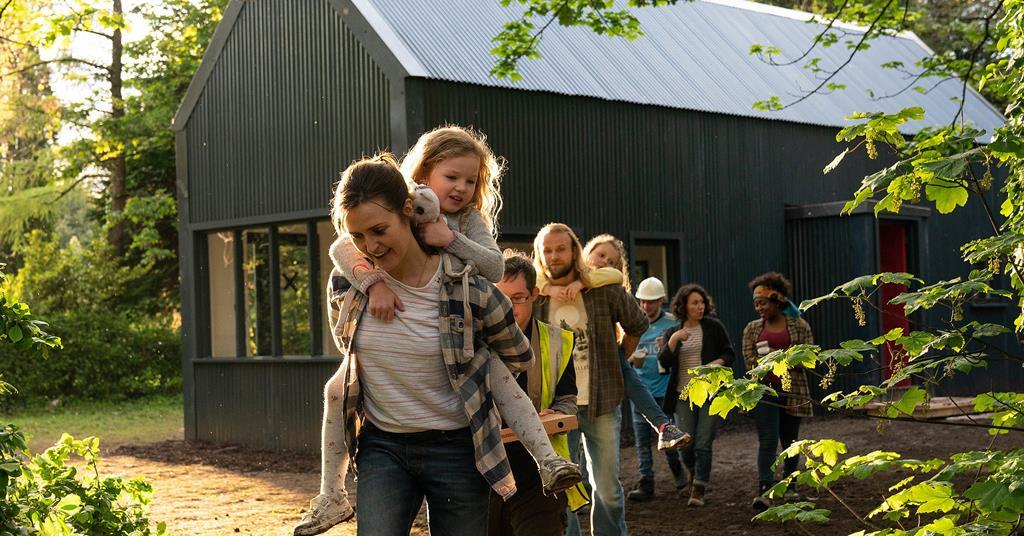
[{"x": 694, "y": 56}]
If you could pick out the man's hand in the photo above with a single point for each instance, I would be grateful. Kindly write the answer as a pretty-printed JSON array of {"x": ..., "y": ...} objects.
[
  {"x": 436, "y": 233},
  {"x": 383, "y": 302},
  {"x": 549, "y": 411}
]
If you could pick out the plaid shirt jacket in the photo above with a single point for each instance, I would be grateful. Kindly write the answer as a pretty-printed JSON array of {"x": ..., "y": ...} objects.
[
  {"x": 605, "y": 307},
  {"x": 465, "y": 302},
  {"x": 799, "y": 404}
]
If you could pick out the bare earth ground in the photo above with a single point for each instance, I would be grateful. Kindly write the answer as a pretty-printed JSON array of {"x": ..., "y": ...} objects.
[{"x": 202, "y": 489}]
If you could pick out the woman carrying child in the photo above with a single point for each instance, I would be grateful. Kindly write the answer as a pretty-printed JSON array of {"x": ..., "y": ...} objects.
[{"x": 459, "y": 170}]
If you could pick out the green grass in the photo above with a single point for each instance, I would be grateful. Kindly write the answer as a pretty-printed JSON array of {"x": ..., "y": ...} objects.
[{"x": 118, "y": 423}]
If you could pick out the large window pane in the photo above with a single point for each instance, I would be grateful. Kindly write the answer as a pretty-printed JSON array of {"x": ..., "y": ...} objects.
[
  {"x": 222, "y": 294},
  {"x": 257, "y": 290},
  {"x": 294, "y": 283}
]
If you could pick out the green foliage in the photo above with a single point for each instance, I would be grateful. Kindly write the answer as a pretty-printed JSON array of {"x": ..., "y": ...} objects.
[
  {"x": 108, "y": 316},
  {"x": 520, "y": 38},
  {"x": 802, "y": 512},
  {"x": 45, "y": 494}
]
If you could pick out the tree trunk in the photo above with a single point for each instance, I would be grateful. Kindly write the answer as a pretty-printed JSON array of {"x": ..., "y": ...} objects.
[{"x": 118, "y": 167}]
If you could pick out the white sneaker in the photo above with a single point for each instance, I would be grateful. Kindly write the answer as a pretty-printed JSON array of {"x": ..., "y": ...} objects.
[
  {"x": 324, "y": 512},
  {"x": 672, "y": 438},
  {"x": 558, "y": 474}
]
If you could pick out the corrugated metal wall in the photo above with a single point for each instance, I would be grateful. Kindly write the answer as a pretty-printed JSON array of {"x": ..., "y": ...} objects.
[
  {"x": 292, "y": 100},
  {"x": 721, "y": 181},
  {"x": 264, "y": 404}
]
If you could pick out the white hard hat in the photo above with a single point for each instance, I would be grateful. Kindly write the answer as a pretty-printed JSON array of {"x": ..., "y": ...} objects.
[{"x": 650, "y": 289}]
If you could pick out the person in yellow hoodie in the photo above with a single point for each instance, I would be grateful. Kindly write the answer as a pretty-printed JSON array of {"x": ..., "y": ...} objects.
[{"x": 551, "y": 385}]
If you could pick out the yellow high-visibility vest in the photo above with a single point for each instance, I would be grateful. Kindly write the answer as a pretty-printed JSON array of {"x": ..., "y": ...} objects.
[{"x": 552, "y": 365}]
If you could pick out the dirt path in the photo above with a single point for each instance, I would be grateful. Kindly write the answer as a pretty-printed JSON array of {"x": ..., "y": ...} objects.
[{"x": 228, "y": 490}]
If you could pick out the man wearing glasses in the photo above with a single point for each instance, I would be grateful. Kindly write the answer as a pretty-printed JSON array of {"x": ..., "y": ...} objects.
[{"x": 530, "y": 511}]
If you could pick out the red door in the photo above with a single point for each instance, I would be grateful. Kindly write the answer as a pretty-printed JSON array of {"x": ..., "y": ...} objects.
[{"x": 893, "y": 250}]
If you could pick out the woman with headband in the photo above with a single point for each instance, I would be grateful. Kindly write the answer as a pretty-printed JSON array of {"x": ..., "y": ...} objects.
[{"x": 777, "y": 417}]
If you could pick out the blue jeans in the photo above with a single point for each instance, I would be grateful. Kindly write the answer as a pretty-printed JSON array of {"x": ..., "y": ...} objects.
[
  {"x": 397, "y": 471},
  {"x": 601, "y": 446},
  {"x": 644, "y": 438},
  {"x": 702, "y": 426},
  {"x": 774, "y": 426},
  {"x": 637, "y": 392}
]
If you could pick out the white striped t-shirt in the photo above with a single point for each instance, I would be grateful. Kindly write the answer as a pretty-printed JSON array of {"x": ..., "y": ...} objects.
[
  {"x": 401, "y": 369},
  {"x": 689, "y": 353}
]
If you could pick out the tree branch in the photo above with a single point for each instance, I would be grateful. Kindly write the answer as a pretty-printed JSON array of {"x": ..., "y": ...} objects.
[
  {"x": 857, "y": 48},
  {"x": 815, "y": 41},
  {"x": 974, "y": 59},
  {"x": 57, "y": 60}
]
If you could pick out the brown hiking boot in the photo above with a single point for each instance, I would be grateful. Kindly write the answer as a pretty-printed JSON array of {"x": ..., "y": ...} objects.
[{"x": 697, "y": 493}]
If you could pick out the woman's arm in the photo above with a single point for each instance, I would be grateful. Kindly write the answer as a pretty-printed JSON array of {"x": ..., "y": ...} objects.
[
  {"x": 475, "y": 244},
  {"x": 749, "y": 350},
  {"x": 666, "y": 356}
]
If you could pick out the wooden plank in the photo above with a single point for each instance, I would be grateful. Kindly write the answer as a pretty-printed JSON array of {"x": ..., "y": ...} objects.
[{"x": 554, "y": 423}]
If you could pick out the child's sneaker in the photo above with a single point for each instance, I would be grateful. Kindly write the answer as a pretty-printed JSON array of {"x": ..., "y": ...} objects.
[
  {"x": 672, "y": 438},
  {"x": 324, "y": 512},
  {"x": 558, "y": 474}
]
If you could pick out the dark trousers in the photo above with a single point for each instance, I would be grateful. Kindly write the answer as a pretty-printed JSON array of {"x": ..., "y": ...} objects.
[
  {"x": 774, "y": 426},
  {"x": 527, "y": 513}
]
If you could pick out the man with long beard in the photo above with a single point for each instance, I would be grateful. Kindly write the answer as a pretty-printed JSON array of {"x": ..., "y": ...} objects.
[{"x": 592, "y": 315}]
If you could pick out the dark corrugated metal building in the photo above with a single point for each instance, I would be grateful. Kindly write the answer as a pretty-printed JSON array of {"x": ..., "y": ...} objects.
[{"x": 654, "y": 141}]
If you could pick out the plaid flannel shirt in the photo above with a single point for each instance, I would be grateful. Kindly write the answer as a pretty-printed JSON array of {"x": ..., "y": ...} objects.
[
  {"x": 605, "y": 307},
  {"x": 465, "y": 302},
  {"x": 799, "y": 404}
]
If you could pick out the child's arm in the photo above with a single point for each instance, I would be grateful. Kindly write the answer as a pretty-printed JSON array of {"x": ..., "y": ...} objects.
[
  {"x": 602, "y": 277},
  {"x": 475, "y": 244},
  {"x": 563, "y": 293},
  {"x": 365, "y": 277}
]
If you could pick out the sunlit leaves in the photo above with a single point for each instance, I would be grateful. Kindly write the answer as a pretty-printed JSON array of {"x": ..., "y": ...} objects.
[
  {"x": 717, "y": 384},
  {"x": 802, "y": 512},
  {"x": 861, "y": 286},
  {"x": 520, "y": 38},
  {"x": 1007, "y": 410},
  {"x": 911, "y": 398}
]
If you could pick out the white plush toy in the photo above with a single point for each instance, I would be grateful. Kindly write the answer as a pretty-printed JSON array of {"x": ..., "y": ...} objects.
[{"x": 425, "y": 205}]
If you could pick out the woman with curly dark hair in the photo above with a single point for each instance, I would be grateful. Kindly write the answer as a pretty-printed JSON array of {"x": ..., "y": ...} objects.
[
  {"x": 697, "y": 340},
  {"x": 777, "y": 417}
]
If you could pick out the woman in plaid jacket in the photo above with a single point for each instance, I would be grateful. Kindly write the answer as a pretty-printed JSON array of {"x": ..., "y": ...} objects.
[
  {"x": 777, "y": 417},
  {"x": 421, "y": 423}
]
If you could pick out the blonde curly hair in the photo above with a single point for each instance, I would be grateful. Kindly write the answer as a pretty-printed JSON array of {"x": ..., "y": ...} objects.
[
  {"x": 620, "y": 248},
  {"x": 452, "y": 141}
]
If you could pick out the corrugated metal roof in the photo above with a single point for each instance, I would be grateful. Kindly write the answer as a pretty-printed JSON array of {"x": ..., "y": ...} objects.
[{"x": 693, "y": 56}]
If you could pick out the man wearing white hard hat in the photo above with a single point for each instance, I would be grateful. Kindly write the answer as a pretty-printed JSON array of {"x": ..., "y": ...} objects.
[{"x": 651, "y": 295}]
